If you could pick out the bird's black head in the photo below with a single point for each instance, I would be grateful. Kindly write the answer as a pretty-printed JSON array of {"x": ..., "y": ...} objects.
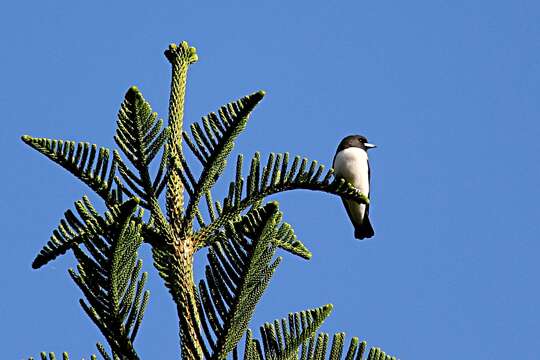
[{"x": 358, "y": 141}]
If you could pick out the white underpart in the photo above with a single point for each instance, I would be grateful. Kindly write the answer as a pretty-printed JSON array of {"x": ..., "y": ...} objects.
[{"x": 352, "y": 164}]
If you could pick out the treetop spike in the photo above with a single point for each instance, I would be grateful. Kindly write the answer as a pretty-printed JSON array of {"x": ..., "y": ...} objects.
[{"x": 181, "y": 52}]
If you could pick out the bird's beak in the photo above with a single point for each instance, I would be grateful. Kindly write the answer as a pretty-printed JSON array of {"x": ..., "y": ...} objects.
[{"x": 370, "y": 146}]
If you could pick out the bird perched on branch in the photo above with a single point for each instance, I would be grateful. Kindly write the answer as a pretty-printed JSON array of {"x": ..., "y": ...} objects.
[{"x": 351, "y": 163}]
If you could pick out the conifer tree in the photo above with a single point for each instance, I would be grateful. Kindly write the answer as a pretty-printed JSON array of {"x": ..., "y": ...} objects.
[{"x": 241, "y": 232}]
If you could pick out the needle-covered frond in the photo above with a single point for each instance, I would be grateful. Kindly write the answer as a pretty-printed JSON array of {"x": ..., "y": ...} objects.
[
  {"x": 211, "y": 143},
  {"x": 238, "y": 273},
  {"x": 283, "y": 338},
  {"x": 141, "y": 136},
  {"x": 71, "y": 232},
  {"x": 74, "y": 230},
  {"x": 109, "y": 275},
  {"x": 285, "y": 238},
  {"x": 277, "y": 175},
  {"x": 320, "y": 347},
  {"x": 296, "y": 338},
  {"x": 91, "y": 165}
]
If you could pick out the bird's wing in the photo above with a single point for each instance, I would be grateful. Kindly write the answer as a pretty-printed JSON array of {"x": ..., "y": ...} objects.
[
  {"x": 369, "y": 176},
  {"x": 346, "y": 205},
  {"x": 369, "y": 182}
]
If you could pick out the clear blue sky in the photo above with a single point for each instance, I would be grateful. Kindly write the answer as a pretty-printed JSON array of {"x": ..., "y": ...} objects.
[{"x": 449, "y": 90}]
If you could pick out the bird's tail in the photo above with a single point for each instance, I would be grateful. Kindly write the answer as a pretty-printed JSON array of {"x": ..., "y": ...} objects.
[{"x": 365, "y": 230}]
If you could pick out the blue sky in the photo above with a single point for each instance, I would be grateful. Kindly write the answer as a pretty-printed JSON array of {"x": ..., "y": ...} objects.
[{"x": 449, "y": 91}]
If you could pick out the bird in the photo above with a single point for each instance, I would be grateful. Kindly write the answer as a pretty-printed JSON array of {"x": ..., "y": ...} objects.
[{"x": 351, "y": 163}]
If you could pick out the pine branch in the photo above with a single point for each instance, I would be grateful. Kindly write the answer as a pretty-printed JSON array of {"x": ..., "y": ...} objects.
[
  {"x": 322, "y": 349},
  {"x": 85, "y": 161},
  {"x": 275, "y": 177},
  {"x": 236, "y": 277},
  {"x": 71, "y": 232},
  {"x": 109, "y": 277},
  {"x": 94, "y": 168},
  {"x": 285, "y": 238},
  {"x": 282, "y": 339},
  {"x": 213, "y": 143},
  {"x": 296, "y": 338},
  {"x": 140, "y": 136},
  {"x": 74, "y": 230}
]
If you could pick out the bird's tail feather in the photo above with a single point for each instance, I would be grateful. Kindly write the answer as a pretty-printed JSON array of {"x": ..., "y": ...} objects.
[{"x": 365, "y": 230}]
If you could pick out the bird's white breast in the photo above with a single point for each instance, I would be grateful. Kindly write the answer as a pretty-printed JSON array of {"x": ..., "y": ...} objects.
[{"x": 352, "y": 164}]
